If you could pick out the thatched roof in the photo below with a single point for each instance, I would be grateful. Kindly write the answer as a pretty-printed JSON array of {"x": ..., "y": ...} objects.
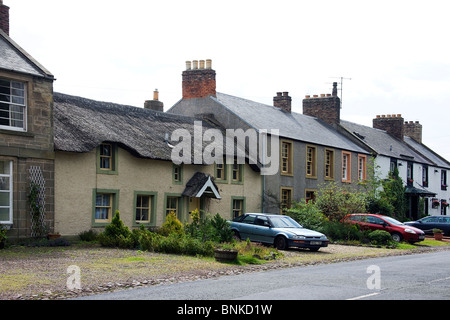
[{"x": 82, "y": 124}]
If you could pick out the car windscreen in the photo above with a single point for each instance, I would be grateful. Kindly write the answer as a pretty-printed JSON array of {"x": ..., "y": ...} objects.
[{"x": 284, "y": 222}]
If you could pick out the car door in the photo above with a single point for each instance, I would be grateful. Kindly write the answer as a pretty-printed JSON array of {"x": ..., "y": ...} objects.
[
  {"x": 262, "y": 230},
  {"x": 246, "y": 227},
  {"x": 444, "y": 224},
  {"x": 375, "y": 223},
  {"x": 429, "y": 223}
]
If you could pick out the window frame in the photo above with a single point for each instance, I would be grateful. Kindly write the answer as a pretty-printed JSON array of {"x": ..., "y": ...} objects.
[
  {"x": 239, "y": 170},
  {"x": 179, "y": 209},
  {"x": 153, "y": 196},
  {"x": 10, "y": 192},
  {"x": 289, "y": 156},
  {"x": 23, "y": 106},
  {"x": 346, "y": 167},
  {"x": 114, "y": 201},
  {"x": 311, "y": 162},
  {"x": 224, "y": 170},
  {"x": 290, "y": 191},
  {"x": 242, "y": 208},
  {"x": 114, "y": 159},
  {"x": 363, "y": 158},
  {"x": 179, "y": 179},
  {"x": 329, "y": 164}
]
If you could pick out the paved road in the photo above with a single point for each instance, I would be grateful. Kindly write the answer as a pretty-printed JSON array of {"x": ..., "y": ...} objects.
[{"x": 419, "y": 276}]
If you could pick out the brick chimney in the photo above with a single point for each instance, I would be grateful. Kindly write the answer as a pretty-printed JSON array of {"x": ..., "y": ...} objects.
[
  {"x": 199, "y": 81},
  {"x": 393, "y": 124},
  {"x": 4, "y": 18},
  {"x": 283, "y": 101},
  {"x": 327, "y": 107},
  {"x": 413, "y": 130},
  {"x": 154, "y": 104}
]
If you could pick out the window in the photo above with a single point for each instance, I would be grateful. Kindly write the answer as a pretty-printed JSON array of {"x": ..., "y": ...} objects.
[
  {"x": 443, "y": 179},
  {"x": 329, "y": 164},
  {"x": 237, "y": 207},
  {"x": 221, "y": 172},
  {"x": 310, "y": 162},
  {"x": 362, "y": 167},
  {"x": 6, "y": 193},
  {"x": 409, "y": 174},
  {"x": 346, "y": 166},
  {"x": 12, "y": 105},
  {"x": 237, "y": 173},
  {"x": 393, "y": 164},
  {"x": 444, "y": 205},
  {"x": 177, "y": 174},
  {"x": 143, "y": 208},
  {"x": 425, "y": 176},
  {"x": 103, "y": 207},
  {"x": 286, "y": 158},
  {"x": 173, "y": 204},
  {"x": 286, "y": 198},
  {"x": 310, "y": 195},
  {"x": 107, "y": 158}
]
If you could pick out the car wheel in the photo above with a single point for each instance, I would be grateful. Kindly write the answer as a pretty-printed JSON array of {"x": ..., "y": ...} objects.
[
  {"x": 397, "y": 237},
  {"x": 236, "y": 236},
  {"x": 280, "y": 243}
]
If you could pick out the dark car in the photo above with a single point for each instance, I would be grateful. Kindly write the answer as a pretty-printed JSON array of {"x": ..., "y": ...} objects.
[
  {"x": 278, "y": 230},
  {"x": 398, "y": 230},
  {"x": 427, "y": 224}
]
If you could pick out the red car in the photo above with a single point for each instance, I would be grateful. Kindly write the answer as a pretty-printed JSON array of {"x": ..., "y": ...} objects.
[{"x": 398, "y": 230}]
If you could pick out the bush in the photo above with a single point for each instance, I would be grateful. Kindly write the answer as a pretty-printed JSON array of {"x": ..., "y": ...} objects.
[
  {"x": 380, "y": 237},
  {"x": 118, "y": 235},
  {"x": 88, "y": 236},
  {"x": 172, "y": 225},
  {"x": 338, "y": 231},
  {"x": 214, "y": 229},
  {"x": 307, "y": 214}
]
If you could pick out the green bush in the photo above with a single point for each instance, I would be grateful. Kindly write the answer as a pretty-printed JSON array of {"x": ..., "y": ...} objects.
[
  {"x": 172, "y": 225},
  {"x": 307, "y": 214},
  {"x": 380, "y": 237},
  {"x": 214, "y": 229},
  {"x": 118, "y": 235},
  {"x": 88, "y": 236},
  {"x": 338, "y": 231}
]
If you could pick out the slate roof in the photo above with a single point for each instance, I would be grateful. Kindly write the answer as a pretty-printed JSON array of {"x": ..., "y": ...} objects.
[
  {"x": 383, "y": 143},
  {"x": 82, "y": 124},
  {"x": 427, "y": 152},
  {"x": 14, "y": 58},
  {"x": 260, "y": 116}
]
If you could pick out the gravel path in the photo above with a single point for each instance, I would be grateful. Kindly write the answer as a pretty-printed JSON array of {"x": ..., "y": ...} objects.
[{"x": 41, "y": 273}]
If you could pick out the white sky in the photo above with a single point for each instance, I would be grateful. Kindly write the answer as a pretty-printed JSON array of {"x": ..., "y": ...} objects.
[{"x": 397, "y": 53}]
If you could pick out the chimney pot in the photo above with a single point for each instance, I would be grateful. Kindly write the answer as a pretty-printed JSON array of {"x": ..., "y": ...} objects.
[
  {"x": 334, "y": 94},
  {"x": 195, "y": 63},
  {"x": 208, "y": 63},
  {"x": 156, "y": 95},
  {"x": 202, "y": 64},
  {"x": 188, "y": 65}
]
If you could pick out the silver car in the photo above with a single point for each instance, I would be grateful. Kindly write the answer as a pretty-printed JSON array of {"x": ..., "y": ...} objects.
[{"x": 281, "y": 231}]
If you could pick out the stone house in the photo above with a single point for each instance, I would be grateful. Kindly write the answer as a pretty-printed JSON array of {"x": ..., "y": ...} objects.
[
  {"x": 310, "y": 152},
  {"x": 26, "y": 137},
  {"x": 112, "y": 157}
]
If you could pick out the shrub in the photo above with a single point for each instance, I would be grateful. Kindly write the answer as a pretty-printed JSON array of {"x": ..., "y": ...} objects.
[
  {"x": 117, "y": 234},
  {"x": 88, "y": 236},
  {"x": 172, "y": 225},
  {"x": 307, "y": 214},
  {"x": 380, "y": 237},
  {"x": 214, "y": 229},
  {"x": 338, "y": 231}
]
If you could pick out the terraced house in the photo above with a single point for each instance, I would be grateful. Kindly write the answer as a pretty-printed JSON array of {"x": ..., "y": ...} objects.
[
  {"x": 26, "y": 137},
  {"x": 311, "y": 150}
]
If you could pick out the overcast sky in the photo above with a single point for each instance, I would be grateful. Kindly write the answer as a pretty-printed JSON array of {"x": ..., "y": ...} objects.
[{"x": 396, "y": 53}]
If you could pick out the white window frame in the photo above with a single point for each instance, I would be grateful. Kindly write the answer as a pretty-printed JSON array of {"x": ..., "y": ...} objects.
[
  {"x": 10, "y": 207},
  {"x": 11, "y": 103}
]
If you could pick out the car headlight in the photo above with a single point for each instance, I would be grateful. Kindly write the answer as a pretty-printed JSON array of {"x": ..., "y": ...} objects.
[
  {"x": 410, "y": 231},
  {"x": 296, "y": 237}
]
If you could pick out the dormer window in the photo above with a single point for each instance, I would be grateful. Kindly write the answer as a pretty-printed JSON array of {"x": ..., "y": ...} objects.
[{"x": 12, "y": 105}]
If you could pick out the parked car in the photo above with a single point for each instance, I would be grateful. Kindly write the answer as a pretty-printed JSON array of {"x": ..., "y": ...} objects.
[
  {"x": 427, "y": 224},
  {"x": 278, "y": 230},
  {"x": 398, "y": 230}
]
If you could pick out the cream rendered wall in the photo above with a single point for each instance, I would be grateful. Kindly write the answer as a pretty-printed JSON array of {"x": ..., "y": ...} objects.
[{"x": 76, "y": 178}]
